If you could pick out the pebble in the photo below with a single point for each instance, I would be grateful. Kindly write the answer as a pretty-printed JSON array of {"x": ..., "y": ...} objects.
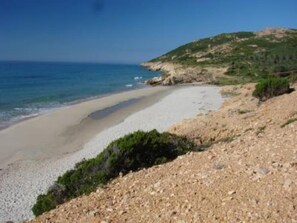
[
  {"x": 218, "y": 165},
  {"x": 93, "y": 213},
  {"x": 262, "y": 170},
  {"x": 287, "y": 184},
  {"x": 122, "y": 212},
  {"x": 231, "y": 192},
  {"x": 173, "y": 213},
  {"x": 276, "y": 165}
]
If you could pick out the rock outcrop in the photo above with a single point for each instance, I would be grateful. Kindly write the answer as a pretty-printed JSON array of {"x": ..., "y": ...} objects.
[{"x": 172, "y": 74}]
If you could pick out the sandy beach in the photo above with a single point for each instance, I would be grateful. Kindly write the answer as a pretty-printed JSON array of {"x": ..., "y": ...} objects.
[
  {"x": 36, "y": 151},
  {"x": 68, "y": 129}
]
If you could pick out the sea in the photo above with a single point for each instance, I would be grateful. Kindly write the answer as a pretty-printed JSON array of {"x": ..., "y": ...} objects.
[{"x": 28, "y": 89}]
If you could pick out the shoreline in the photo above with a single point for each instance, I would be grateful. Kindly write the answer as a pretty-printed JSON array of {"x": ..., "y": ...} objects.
[
  {"x": 22, "y": 182},
  {"x": 68, "y": 128},
  {"x": 64, "y": 105}
]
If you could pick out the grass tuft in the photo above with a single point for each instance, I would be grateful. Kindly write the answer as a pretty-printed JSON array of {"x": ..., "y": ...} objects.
[{"x": 291, "y": 120}]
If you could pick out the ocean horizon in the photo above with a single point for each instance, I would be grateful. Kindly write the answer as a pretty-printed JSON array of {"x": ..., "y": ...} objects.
[{"x": 28, "y": 88}]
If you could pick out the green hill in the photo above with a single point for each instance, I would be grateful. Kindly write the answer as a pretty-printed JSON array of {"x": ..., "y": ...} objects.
[{"x": 248, "y": 55}]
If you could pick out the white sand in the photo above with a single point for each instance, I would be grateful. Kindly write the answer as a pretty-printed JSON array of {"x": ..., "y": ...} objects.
[
  {"x": 65, "y": 130},
  {"x": 22, "y": 182}
]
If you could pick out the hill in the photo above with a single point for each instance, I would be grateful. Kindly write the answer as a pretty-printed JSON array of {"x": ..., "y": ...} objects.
[
  {"x": 248, "y": 174},
  {"x": 229, "y": 58}
]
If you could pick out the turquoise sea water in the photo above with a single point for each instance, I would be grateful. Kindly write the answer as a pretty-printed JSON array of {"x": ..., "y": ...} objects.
[{"x": 31, "y": 88}]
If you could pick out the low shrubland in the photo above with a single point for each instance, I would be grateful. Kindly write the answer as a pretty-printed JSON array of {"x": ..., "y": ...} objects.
[
  {"x": 271, "y": 87},
  {"x": 132, "y": 152}
]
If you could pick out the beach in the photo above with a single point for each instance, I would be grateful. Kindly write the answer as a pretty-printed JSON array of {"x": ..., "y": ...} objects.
[
  {"x": 68, "y": 129},
  {"x": 36, "y": 151}
]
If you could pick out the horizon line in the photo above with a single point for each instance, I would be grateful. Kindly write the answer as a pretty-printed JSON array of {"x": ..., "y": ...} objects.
[{"x": 82, "y": 62}]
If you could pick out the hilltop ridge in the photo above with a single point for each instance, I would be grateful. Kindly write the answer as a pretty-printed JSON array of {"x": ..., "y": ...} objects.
[{"x": 228, "y": 58}]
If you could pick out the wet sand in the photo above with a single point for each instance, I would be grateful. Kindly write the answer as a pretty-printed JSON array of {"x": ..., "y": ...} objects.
[{"x": 66, "y": 130}]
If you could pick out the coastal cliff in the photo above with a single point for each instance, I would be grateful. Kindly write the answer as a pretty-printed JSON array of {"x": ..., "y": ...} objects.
[{"x": 229, "y": 58}]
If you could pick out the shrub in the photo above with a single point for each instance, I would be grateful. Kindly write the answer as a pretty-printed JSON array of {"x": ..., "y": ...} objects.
[
  {"x": 44, "y": 203},
  {"x": 280, "y": 68},
  {"x": 271, "y": 87},
  {"x": 130, "y": 153}
]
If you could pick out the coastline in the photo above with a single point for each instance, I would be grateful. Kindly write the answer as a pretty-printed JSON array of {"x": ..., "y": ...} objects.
[
  {"x": 23, "y": 181},
  {"x": 27, "y": 132},
  {"x": 31, "y": 89},
  {"x": 17, "y": 120}
]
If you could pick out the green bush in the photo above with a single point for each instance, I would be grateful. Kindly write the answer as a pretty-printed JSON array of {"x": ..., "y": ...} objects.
[
  {"x": 130, "y": 153},
  {"x": 280, "y": 68},
  {"x": 271, "y": 87},
  {"x": 45, "y": 202}
]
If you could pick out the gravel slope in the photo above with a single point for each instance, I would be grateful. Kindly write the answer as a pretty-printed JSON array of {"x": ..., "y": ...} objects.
[{"x": 248, "y": 175}]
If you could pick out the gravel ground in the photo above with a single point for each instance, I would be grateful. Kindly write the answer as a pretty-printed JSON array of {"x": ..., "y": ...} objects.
[{"x": 249, "y": 174}]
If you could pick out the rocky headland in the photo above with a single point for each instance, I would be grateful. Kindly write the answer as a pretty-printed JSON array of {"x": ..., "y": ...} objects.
[
  {"x": 228, "y": 58},
  {"x": 179, "y": 74}
]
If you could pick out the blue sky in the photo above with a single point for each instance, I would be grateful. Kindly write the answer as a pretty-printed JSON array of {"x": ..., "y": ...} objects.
[{"x": 126, "y": 31}]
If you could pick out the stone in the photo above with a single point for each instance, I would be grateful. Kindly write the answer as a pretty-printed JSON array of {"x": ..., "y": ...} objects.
[
  {"x": 154, "y": 81},
  {"x": 262, "y": 171},
  {"x": 287, "y": 184},
  {"x": 173, "y": 213},
  {"x": 93, "y": 213},
  {"x": 122, "y": 212},
  {"x": 218, "y": 165},
  {"x": 231, "y": 192}
]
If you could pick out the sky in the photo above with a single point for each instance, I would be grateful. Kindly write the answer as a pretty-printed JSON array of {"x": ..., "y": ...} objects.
[{"x": 126, "y": 31}]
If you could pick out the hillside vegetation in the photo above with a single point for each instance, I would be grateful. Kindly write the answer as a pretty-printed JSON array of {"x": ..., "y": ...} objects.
[{"x": 247, "y": 56}]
